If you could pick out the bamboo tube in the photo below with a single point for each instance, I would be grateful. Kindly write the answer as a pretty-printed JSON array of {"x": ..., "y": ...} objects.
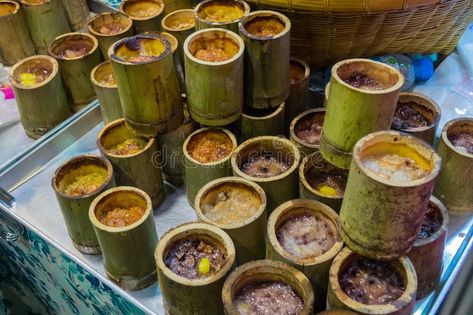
[
  {"x": 200, "y": 173},
  {"x": 298, "y": 99},
  {"x": 279, "y": 188},
  {"x": 224, "y": 14},
  {"x": 197, "y": 296},
  {"x": 148, "y": 88},
  {"x": 310, "y": 121},
  {"x": 266, "y": 59},
  {"x": 75, "y": 208},
  {"x": 75, "y": 70},
  {"x": 354, "y": 112},
  {"x": 127, "y": 250},
  {"x": 146, "y": 14},
  {"x": 267, "y": 270},
  {"x": 77, "y": 13},
  {"x": 326, "y": 93},
  {"x": 44, "y": 105},
  {"x": 338, "y": 299},
  {"x": 427, "y": 254},
  {"x": 247, "y": 233},
  {"x": 46, "y": 20},
  {"x": 454, "y": 183},
  {"x": 380, "y": 218},
  {"x": 260, "y": 122},
  {"x": 214, "y": 89},
  {"x": 135, "y": 169},
  {"x": 315, "y": 268},
  {"x": 15, "y": 42},
  {"x": 109, "y": 27},
  {"x": 171, "y": 6}
]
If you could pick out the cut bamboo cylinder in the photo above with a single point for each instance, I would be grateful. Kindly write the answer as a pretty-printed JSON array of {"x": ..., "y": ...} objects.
[
  {"x": 75, "y": 208},
  {"x": 298, "y": 99},
  {"x": 267, "y": 72},
  {"x": 200, "y": 173},
  {"x": 77, "y": 13},
  {"x": 15, "y": 42},
  {"x": 247, "y": 230},
  {"x": 135, "y": 169},
  {"x": 214, "y": 88},
  {"x": 77, "y": 55},
  {"x": 42, "y": 105},
  {"x": 427, "y": 253},
  {"x": 109, "y": 27},
  {"x": 305, "y": 130},
  {"x": 46, "y": 20},
  {"x": 312, "y": 171},
  {"x": 278, "y": 188},
  {"x": 224, "y": 14},
  {"x": 260, "y": 122},
  {"x": 338, "y": 299},
  {"x": 454, "y": 184},
  {"x": 171, "y": 6},
  {"x": 146, "y": 14},
  {"x": 316, "y": 268},
  {"x": 380, "y": 217},
  {"x": 267, "y": 271},
  {"x": 197, "y": 296},
  {"x": 362, "y": 98},
  {"x": 127, "y": 250}
]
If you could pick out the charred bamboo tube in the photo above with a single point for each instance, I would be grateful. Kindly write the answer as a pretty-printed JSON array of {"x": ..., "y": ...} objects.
[
  {"x": 171, "y": 6},
  {"x": 338, "y": 299},
  {"x": 246, "y": 229},
  {"x": 214, "y": 86},
  {"x": 381, "y": 213},
  {"x": 267, "y": 271},
  {"x": 305, "y": 130},
  {"x": 77, "y": 55},
  {"x": 220, "y": 14},
  {"x": 46, "y": 20},
  {"x": 260, "y": 122},
  {"x": 454, "y": 184},
  {"x": 42, "y": 105},
  {"x": 146, "y": 14},
  {"x": 316, "y": 268},
  {"x": 267, "y": 41},
  {"x": 193, "y": 296},
  {"x": 127, "y": 249},
  {"x": 278, "y": 160},
  {"x": 298, "y": 99},
  {"x": 136, "y": 167},
  {"x": 15, "y": 42},
  {"x": 70, "y": 184},
  {"x": 427, "y": 253},
  {"x": 109, "y": 27},
  {"x": 362, "y": 98},
  {"x": 207, "y": 153},
  {"x": 147, "y": 84},
  {"x": 77, "y": 13}
]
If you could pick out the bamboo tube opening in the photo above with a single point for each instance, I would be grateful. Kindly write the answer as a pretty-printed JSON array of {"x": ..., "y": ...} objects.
[
  {"x": 73, "y": 46},
  {"x": 110, "y": 24},
  {"x": 306, "y": 128},
  {"x": 141, "y": 10},
  {"x": 264, "y": 25},
  {"x": 209, "y": 146},
  {"x": 213, "y": 46},
  {"x": 180, "y": 20},
  {"x": 102, "y": 75},
  {"x": 33, "y": 2},
  {"x": 220, "y": 12},
  {"x": 8, "y": 8},
  {"x": 263, "y": 113},
  {"x": 172, "y": 40},
  {"x": 440, "y": 212},
  {"x": 299, "y": 70},
  {"x": 33, "y": 72},
  {"x": 420, "y": 105},
  {"x": 140, "y": 49},
  {"x": 458, "y": 135}
]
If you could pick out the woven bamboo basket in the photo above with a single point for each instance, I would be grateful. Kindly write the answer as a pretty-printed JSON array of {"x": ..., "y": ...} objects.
[{"x": 326, "y": 31}]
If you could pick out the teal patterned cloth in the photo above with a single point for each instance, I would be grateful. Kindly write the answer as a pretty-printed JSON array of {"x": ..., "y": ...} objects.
[{"x": 113, "y": 3}]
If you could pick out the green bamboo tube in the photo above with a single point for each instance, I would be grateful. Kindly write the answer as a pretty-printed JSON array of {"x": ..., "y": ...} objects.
[
  {"x": 248, "y": 235},
  {"x": 260, "y": 122},
  {"x": 101, "y": 26},
  {"x": 77, "y": 13},
  {"x": 208, "y": 14},
  {"x": 197, "y": 173},
  {"x": 267, "y": 72},
  {"x": 380, "y": 218},
  {"x": 75, "y": 71},
  {"x": 175, "y": 5},
  {"x": 146, "y": 14},
  {"x": 315, "y": 165},
  {"x": 46, "y": 20},
  {"x": 127, "y": 251},
  {"x": 43, "y": 105},
  {"x": 267, "y": 270},
  {"x": 427, "y": 254},
  {"x": 135, "y": 169},
  {"x": 197, "y": 296},
  {"x": 75, "y": 209},
  {"x": 214, "y": 89},
  {"x": 279, "y": 188},
  {"x": 315, "y": 268},
  {"x": 298, "y": 99},
  {"x": 338, "y": 299},
  {"x": 149, "y": 89},
  {"x": 429, "y": 110},
  {"x": 316, "y": 115},
  {"x": 454, "y": 184},
  {"x": 352, "y": 112},
  {"x": 15, "y": 42}
]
